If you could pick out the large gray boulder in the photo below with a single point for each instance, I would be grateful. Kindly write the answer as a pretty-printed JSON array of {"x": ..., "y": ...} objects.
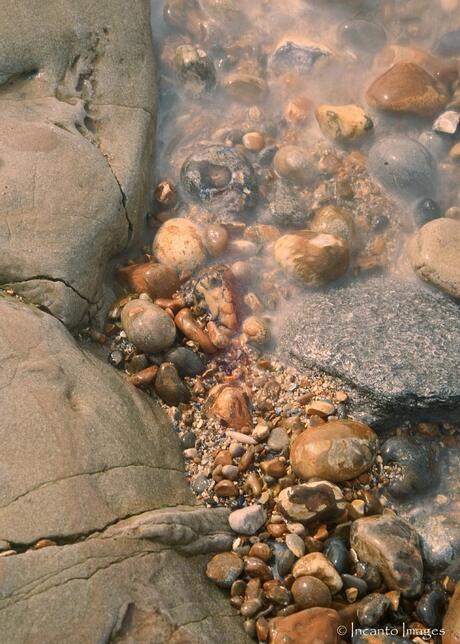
[
  {"x": 80, "y": 447},
  {"x": 92, "y": 463},
  {"x": 77, "y": 106},
  {"x": 395, "y": 343}
]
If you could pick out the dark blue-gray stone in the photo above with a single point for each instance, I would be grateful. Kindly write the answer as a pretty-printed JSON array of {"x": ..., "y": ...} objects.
[
  {"x": 395, "y": 344},
  {"x": 186, "y": 361},
  {"x": 404, "y": 167},
  {"x": 448, "y": 44}
]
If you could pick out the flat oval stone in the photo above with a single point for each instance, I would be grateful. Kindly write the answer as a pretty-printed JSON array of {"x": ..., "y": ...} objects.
[
  {"x": 309, "y": 503},
  {"x": 310, "y": 592},
  {"x": 337, "y": 451},
  {"x": 247, "y": 520},
  {"x": 372, "y": 608},
  {"x": 224, "y": 569},
  {"x": 408, "y": 88},
  {"x": 404, "y": 167},
  {"x": 186, "y": 361},
  {"x": 147, "y": 326},
  {"x": 311, "y": 625},
  {"x": 293, "y": 162},
  {"x": 431, "y": 607},
  {"x": 434, "y": 253},
  {"x": 362, "y": 36},
  {"x": 392, "y": 545}
]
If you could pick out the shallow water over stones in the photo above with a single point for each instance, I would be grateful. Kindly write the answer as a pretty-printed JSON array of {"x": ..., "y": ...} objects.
[{"x": 304, "y": 152}]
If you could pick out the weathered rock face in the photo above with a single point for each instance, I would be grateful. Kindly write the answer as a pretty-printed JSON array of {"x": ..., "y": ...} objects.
[
  {"x": 396, "y": 342},
  {"x": 78, "y": 96},
  {"x": 132, "y": 588},
  {"x": 93, "y": 450},
  {"x": 392, "y": 546},
  {"x": 451, "y": 623}
]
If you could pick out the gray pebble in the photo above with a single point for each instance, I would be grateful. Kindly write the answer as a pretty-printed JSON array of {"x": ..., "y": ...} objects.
[{"x": 404, "y": 166}]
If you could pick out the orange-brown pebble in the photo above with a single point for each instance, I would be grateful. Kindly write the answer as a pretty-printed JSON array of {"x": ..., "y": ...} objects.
[
  {"x": 312, "y": 625},
  {"x": 152, "y": 278},
  {"x": 186, "y": 323},
  {"x": 144, "y": 377},
  {"x": 226, "y": 489},
  {"x": 254, "y": 141}
]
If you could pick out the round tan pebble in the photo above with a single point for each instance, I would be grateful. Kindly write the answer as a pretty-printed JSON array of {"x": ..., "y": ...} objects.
[
  {"x": 313, "y": 258},
  {"x": 292, "y": 162},
  {"x": 310, "y": 592},
  {"x": 261, "y": 551},
  {"x": 343, "y": 122},
  {"x": 336, "y": 451},
  {"x": 179, "y": 244},
  {"x": 315, "y": 564},
  {"x": 256, "y": 330},
  {"x": 224, "y": 569},
  {"x": 147, "y": 326},
  {"x": 216, "y": 239},
  {"x": 240, "y": 270},
  {"x": 434, "y": 253},
  {"x": 254, "y": 141},
  {"x": 261, "y": 233},
  {"x": 334, "y": 221}
]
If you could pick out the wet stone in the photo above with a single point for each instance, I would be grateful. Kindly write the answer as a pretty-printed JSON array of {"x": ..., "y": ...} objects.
[
  {"x": 404, "y": 167},
  {"x": 316, "y": 565},
  {"x": 343, "y": 122},
  {"x": 310, "y": 592},
  {"x": 293, "y": 163},
  {"x": 393, "y": 547},
  {"x": 407, "y": 88},
  {"x": 285, "y": 559},
  {"x": 169, "y": 386},
  {"x": 248, "y": 520},
  {"x": 362, "y": 36},
  {"x": 431, "y": 608},
  {"x": 286, "y": 208},
  {"x": 341, "y": 450},
  {"x": 291, "y": 55},
  {"x": 418, "y": 463},
  {"x": 194, "y": 69},
  {"x": 221, "y": 177},
  {"x": 147, "y": 326},
  {"x": 310, "y": 503},
  {"x": 321, "y": 624},
  {"x": 448, "y": 44},
  {"x": 224, "y": 569},
  {"x": 372, "y": 608},
  {"x": 312, "y": 258},
  {"x": 187, "y": 362},
  {"x": 338, "y": 554},
  {"x": 426, "y": 210},
  {"x": 350, "y": 581},
  {"x": 434, "y": 252},
  {"x": 179, "y": 244}
]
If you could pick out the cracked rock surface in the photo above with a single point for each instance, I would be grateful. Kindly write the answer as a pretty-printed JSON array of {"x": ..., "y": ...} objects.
[
  {"x": 396, "y": 343},
  {"x": 82, "y": 450},
  {"x": 77, "y": 105}
]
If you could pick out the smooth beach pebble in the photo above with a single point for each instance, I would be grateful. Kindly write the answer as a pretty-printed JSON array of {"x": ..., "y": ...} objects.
[{"x": 147, "y": 326}]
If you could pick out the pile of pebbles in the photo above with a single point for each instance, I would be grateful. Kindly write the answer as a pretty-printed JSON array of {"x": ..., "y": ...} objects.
[{"x": 302, "y": 145}]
